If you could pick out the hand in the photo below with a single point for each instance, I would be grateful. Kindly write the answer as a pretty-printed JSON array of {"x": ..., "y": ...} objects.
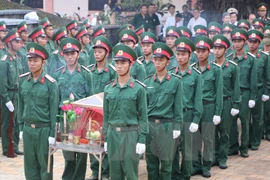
[
  {"x": 216, "y": 120},
  {"x": 251, "y": 103},
  {"x": 176, "y": 134},
  {"x": 10, "y": 106},
  {"x": 51, "y": 140},
  {"x": 21, "y": 135},
  {"x": 193, "y": 127},
  {"x": 234, "y": 112},
  {"x": 265, "y": 98},
  {"x": 140, "y": 148},
  {"x": 105, "y": 147}
]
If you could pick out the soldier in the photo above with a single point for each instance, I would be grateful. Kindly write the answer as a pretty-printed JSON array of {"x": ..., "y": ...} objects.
[
  {"x": 258, "y": 24},
  {"x": 248, "y": 86},
  {"x": 231, "y": 100},
  {"x": 88, "y": 26},
  {"x": 72, "y": 28},
  {"x": 48, "y": 29},
  {"x": 165, "y": 114},
  {"x": 139, "y": 31},
  {"x": 262, "y": 12},
  {"x": 226, "y": 31},
  {"x": 200, "y": 30},
  {"x": 3, "y": 33},
  {"x": 138, "y": 47},
  {"x": 10, "y": 69},
  {"x": 99, "y": 31},
  {"x": 38, "y": 107},
  {"x": 244, "y": 24},
  {"x": 76, "y": 79},
  {"x": 23, "y": 33},
  {"x": 192, "y": 105},
  {"x": 212, "y": 107},
  {"x": 214, "y": 29},
  {"x": 125, "y": 118}
]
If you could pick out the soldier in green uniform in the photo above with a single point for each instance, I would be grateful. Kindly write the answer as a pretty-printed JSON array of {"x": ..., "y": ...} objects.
[
  {"x": 38, "y": 107},
  {"x": 248, "y": 85},
  {"x": 258, "y": 24},
  {"x": 214, "y": 29},
  {"x": 83, "y": 37},
  {"x": 48, "y": 29},
  {"x": 72, "y": 28},
  {"x": 88, "y": 26},
  {"x": 139, "y": 32},
  {"x": 76, "y": 79},
  {"x": 10, "y": 69},
  {"x": 147, "y": 40},
  {"x": 226, "y": 31},
  {"x": 231, "y": 100},
  {"x": 244, "y": 24},
  {"x": 99, "y": 31},
  {"x": 89, "y": 46},
  {"x": 3, "y": 33},
  {"x": 192, "y": 106},
  {"x": 165, "y": 114},
  {"x": 212, "y": 95},
  {"x": 125, "y": 118},
  {"x": 262, "y": 12},
  {"x": 263, "y": 82},
  {"x": 23, "y": 33}
]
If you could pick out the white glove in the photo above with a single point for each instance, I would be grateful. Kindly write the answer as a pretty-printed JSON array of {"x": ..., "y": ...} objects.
[
  {"x": 21, "y": 135},
  {"x": 251, "y": 103},
  {"x": 234, "y": 112},
  {"x": 105, "y": 147},
  {"x": 51, "y": 140},
  {"x": 193, "y": 127},
  {"x": 10, "y": 106},
  {"x": 176, "y": 134},
  {"x": 140, "y": 148},
  {"x": 265, "y": 98},
  {"x": 216, "y": 120}
]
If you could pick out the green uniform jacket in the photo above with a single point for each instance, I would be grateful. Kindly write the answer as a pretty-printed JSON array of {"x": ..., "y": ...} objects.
[
  {"x": 23, "y": 51},
  {"x": 192, "y": 88},
  {"x": 38, "y": 101},
  {"x": 55, "y": 61},
  {"x": 173, "y": 63},
  {"x": 50, "y": 46},
  {"x": 165, "y": 99},
  {"x": 212, "y": 85},
  {"x": 137, "y": 71},
  {"x": 90, "y": 52},
  {"x": 138, "y": 50},
  {"x": 84, "y": 58},
  {"x": 149, "y": 66},
  {"x": 124, "y": 106}
]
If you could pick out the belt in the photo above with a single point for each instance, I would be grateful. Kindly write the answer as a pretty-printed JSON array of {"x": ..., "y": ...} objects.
[
  {"x": 208, "y": 102},
  {"x": 125, "y": 128},
  {"x": 227, "y": 98},
  {"x": 38, "y": 125},
  {"x": 187, "y": 109},
  {"x": 160, "y": 120}
]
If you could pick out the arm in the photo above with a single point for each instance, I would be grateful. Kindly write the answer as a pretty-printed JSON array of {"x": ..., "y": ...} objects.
[
  {"x": 89, "y": 84},
  {"x": 219, "y": 91},
  {"x": 178, "y": 106},
  {"x": 142, "y": 117},
  {"x": 4, "y": 83},
  {"x": 267, "y": 76},
  {"x": 253, "y": 80},
  {"x": 236, "y": 88},
  {"x": 198, "y": 105},
  {"x": 53, "y": 102},
  {"x": 141, "y": 73},
  {"x": 105, "y": 115},
  {"x": 20, "y": 107}
]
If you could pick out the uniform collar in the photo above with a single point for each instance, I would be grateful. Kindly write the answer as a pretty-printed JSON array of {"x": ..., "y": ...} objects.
[
  {"x": 225, "y": 63},
  {"x": 78, "y": 69},
  {"x": 105, "y": 68},
  {"x": 129, "y": 84},
  {"x": 166, "y": 77},
  {"x": 244, "y": 56},
  {"x": 41, "y": 78},
  {"x": 207, "y": 67},
  {"x": 188, "y": 71}
]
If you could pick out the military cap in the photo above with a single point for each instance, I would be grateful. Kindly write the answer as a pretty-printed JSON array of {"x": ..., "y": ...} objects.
[
  {"x": 185, "y": 31},
  {"x": 37, "y": 33},
  {"x": 100, "y": 30},
  {"x": 45, "y": 22},
  {"x": 103, "y": 42},
  {"x": 185, "y": 44},
  {"x": 255, "y": 35},
  {"x": 232, "y": 10},
  {"x": 70, "y": 45},
  {"x": 200, "y": 30},
  {"x": 239, "y": 33},
  {"x": 128, "y": 35},
  {"x": 72, "y": 25},
  {"x": 227, "y": 27},
  {"x": 87, "y": 24},
  {"x": 140, "y": 30},
  {"x": 262, "y": 7},
  {"x": 220, "y": 40},
  {"x": 258, "y": 23},
  {"x": 12, "y": 35},
  {"x": 34, "y": 49},
  {"x": 203, "y": 42},
  {"x": 148, "y": 37},
  {"x": 266, "y": 30},
  {"x": 173, "y": 31},
  {"x": 124, "y": 27},
  {"x": 162, "y": 50},
  {"x": 82, "y": 32},
  {"x": 214, "y": 27},
  {"x": 60, "y": 33},
  {"x": 124, "y": 53},
  {"x": 3, "y": 26},
  {"x": 22, "y": 27},
  {"x": 243, "y": 23}
]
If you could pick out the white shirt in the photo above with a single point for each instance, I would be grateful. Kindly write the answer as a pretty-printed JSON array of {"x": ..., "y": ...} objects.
[
  {"x": 236, "y": 23},
  {"x": 171, "y": 22},
  {"x": 166, "y": 16},
  {"x": 192, "y": 23},
  {"x": 159, "y": 26}
]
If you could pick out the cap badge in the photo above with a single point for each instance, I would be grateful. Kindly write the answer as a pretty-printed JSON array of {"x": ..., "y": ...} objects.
[
  {"x": 125, "y": 35},
  {"x": 69, "y": 45},
  {"x": 253, "y": 35},
  {"x": 146, "y": 37},
  {"x": 201, "y": 43},
  {"x": 4, "y": 25},
  {"x": 218, "y": 41},
  {"x": 159, "y": 50},
  {"x": 98, "y": 42},
  {"x": 237, "y": 33},
  {"x": 120, "y": 53},
  {"x": 32, "y": 50},
  {"x": 170, "y": 31},
  {"x": 182, "y": 44},
  {"x": 103, "y": 30},
  {"x": 198, "y": 30},
  {"x": 212, "y": 27}
]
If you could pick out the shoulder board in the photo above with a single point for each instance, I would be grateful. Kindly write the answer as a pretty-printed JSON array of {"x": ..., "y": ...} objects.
[
  {"x": 172, "y": 68},
  {"x": 251, "y": 55},
  {"x": 196, "y": 70},
  {"x": 192, "y": 64},
  {"x": 25, "y": 74},
  {"x": 59, "y": 68},
  {"x": 136, "y": 45},
  {"x": 112, "y": 66},
  {"x": 177, "y": 76},
  {"x": 4, "y": 57},
  {"x": 234, "y": 63},
  {"x": 85, "y": 68},
  {"x": 216, "y": 64},
  {"x": 229, "y": 55},
  {"x": 265, "y": 53},
  {"x": 138, "y": 61},
  {"x": 49, "y": 78},
  {"x": 194, "y": 52},
  {"x": 55, "y": 52},
  {"x": 139, "y": 82},
  {"x": 140, "y": 58},
  {"x": 109, "y": 82},
  {"x": 148, "y": 76},
  {"x": 89, "y": 66}
]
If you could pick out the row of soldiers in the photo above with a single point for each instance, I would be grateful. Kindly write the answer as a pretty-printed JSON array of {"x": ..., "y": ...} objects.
[{"x": 187, "y": 104}]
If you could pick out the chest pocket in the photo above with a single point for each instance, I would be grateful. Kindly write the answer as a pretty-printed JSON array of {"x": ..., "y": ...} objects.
[
  {"x": 12, "y": 73},
  {"x": 42, "y": 98},
  {"x": 244, "y": 72},
  {"x": 208, "y": 83},
  {"x": 130, "y": 102},
  {"x": 111, "y": 101},
  {"x": 79, "y": 87},
  {"x": 152, "y": 95},
  {"x": 188, "y": 87},
  {"x": 169, "y": 94},
  {"x": 227, "y": 78},
  {"x": 24, "y": 94}
]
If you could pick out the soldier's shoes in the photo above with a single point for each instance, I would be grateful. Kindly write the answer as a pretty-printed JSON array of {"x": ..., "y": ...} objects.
[
  {"x": 206, "y": 174},
  {"x": 223, "y": 166},
  {"x": 244, "y": 155},
  {"x": 254, "y": 148},
  {"x": 233, "y": 153},
  {"x": 105, "y": 178},
  {"x": 196, "y": 172},
  {"x": 5, "y": 154},
  {"x": 92, "y": 178},
  {"x": 19, "y": 152},
  {"x": 215, "y": 163}
]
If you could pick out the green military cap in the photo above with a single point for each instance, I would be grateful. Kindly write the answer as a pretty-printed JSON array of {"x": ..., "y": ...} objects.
[
  {"x": 185, "y": 31},
  {"x": 266, "y": 30},
  {"x": 45, "y": 22},
  {"x": 128, "y": 35},
  {"x": 38, "y": 32},
  {"x": 123, "y": 53},
  {"x": 239, "y": 33},
  {"x": 60, "y": 33},
  {"x": 139, "y": 30},
  {"x": 72, "y": 25},
  {"x": 262, "y": 7},
  {"x": 243, "y": 23},
  {"x": 82, "y": 32},
  {"x": 34, "y": 49},
  {"x": 3, "y": 26},
  {"x": 100, "y": 30},
  {"x": 22, "y": 27},
  {"x": 227, "y": 27},
  {"x": 184, "y": 44},
  {"x": 162, "y": 50},
  {"x": 214, "y": 27},
  {"x": 203, "y": 42},
  {"x": 255, "y": 35},
  {"x": 258, "y": 23},
  {"x": 173, "y": 31},
  {"x": 148, "y": 37},
  {"x": 70, "y": 45},
  {"x": 200, "y": 30},
  {"x": 103, "y": 42},
  {"x": 12, "y": 35},
  {"x": 220, "y": 40},
  {"x": 87, "y": 24},
  {"x": 124, "y": 27}
]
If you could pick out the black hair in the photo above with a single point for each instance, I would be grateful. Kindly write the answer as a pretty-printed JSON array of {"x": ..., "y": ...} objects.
[
  {"x": 171, "y": 5},
  {"x": 184, "y": 6},
  {"x": 151, "y": 4},
  {"x": 143, "y": 6}
]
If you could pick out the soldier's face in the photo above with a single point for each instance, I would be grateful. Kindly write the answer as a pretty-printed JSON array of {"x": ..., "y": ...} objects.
[
  {"x": 3, "y": 34},
  {"x": 35, "y": 64},
  {"x": 253, "y": 45},
  {"x": 100, "y": 54},
  {"x": 49, "y": 31},
  {"x": 161, "y": 63},
  {"x": 86, "y": 40},
  {"x": 258, "y": 28},
  {"x": 233, "y": 18},
  {"x": 212, "y": 34},
  {"x": 182, "y": 57},
  {"x": 73, "y": 32},
  {"x": 238, "y": 44},
  {"x": 71, "y": 58},
  {"x": 262, "y": 13},
  {"x": 219, "y": 51},
  {"x": 227, "y": 35},
  {"x": 16, "y": 45},
  {"x": 202, "y": 54},
  {"x": 130, "y": 44},
  {"x": 147, "y": 48},
  {"x": 24, "y": 35},
  {"x": 226, "y": 19},
  {"x": 41, "y": 41},
  {"x": 170, "y": 40},
  {"x": 122, "y": 67}
]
